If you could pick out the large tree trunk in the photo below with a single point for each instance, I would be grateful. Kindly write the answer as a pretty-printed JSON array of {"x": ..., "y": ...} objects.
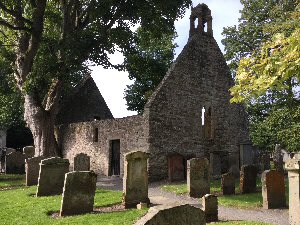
[{"x": 41, "y": 124}]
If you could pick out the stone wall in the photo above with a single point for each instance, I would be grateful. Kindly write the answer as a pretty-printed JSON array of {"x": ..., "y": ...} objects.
[
  {"x": 199, "y": 78},
  {"x": 79, "y": 137}
]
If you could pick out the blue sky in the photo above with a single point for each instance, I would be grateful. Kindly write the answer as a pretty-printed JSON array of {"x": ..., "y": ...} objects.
[{"x": 112, "y": 83}]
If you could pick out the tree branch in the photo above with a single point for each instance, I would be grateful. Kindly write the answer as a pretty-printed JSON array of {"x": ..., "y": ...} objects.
[
  {"x": 12, "y": 27},
  {"x": 33, "y": 3},
  {"x": 53, "y": 97},
  {"x": 14, "y": 14},
  {"x": 29, "y": 44},
  {"x": 3, "y": 33}
]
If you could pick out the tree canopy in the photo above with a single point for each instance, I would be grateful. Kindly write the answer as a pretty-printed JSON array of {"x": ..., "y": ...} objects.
[
  {"x": 267, "y": 77},
  {"x": 49, "y": 45},
  {"x": 147, "y": 65}
]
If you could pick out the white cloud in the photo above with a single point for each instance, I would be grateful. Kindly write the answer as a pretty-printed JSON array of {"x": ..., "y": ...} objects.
[{"x": 112, "y": 83}]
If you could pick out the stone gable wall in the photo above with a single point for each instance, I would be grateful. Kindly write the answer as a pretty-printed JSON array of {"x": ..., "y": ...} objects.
[
  {"x": 79, "y": 137},
  {"x": 199, "y": 78}
]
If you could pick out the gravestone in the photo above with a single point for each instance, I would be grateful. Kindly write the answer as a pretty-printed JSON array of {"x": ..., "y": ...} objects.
[
  {"x": 293, "y": 168},
  {"x": 28, "y": 151},
  {"x": 248, "y": 179},
  {"x": 265, "y": 161},
  {"x": 296, "y": 156},
  {"x": 135, "y": 181},
  {"x": 175, "y": 167},
  {"x": 215, "y": 164},
  {"x": 81, "y": 162},
  {"x": 210, "y": 207},
  {"x": 278, "y": 159},
  {"x": 10, "y": 150},
  {"x": 234, "y": 162},
  {"x": 273, "y": 189},
  {"x": 15, "y": 163},
  {"x": 247, "y": 154},
  {"x": 51, "y": 176},
  {"x": 198, "y": 177},
  {"x": 173, "y": 215},
  {"x": 228, "y": 184},
  {"x": 32, "y": 168},
  {"x": 79, "y": 192}
]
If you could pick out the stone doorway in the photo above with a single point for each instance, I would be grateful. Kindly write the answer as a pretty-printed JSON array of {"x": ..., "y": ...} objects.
[
  {"x": 176, "y": 167},
  {"x": 115, "y": 157}
]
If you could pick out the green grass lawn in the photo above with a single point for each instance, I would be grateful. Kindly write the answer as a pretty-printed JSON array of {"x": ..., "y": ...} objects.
[
  {"x": 244, "y": 201},
  {"x": 240, "y": 223},
  {"x": 11, "y": 180},
  {"x": 19, "y": 206}
]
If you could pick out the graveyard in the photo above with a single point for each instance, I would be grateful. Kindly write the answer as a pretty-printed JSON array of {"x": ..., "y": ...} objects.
[
  {"x": 63, "y": 197},
  {"x": 216, "y": 135}
]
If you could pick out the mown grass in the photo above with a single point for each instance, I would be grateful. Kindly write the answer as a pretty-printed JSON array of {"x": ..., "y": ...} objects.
[
  {"x": 20, "y": 206},
  {"x": 244, "y": 201},
  {"x": 240, "y": 223},
  {"x": 11, "y": 180}
]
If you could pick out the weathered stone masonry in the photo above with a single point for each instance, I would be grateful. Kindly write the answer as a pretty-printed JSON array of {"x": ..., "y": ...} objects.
[
  {"x": 173, "y": 116},
  {"x": 199, "y": 78},
  {"x": 79, "y": 137}
]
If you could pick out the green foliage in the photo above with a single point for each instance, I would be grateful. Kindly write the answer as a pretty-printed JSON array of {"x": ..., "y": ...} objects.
[
  {"x": 147, "y": 65},
  {"x": 72, "y": 35},
  {"x": 243, "y": 40},
  {"x": 281, "y": 126},
  {"x": 11, "y": 111},
  {"x": 275, "y": 67},
  {"x": 264, "y": 50}
]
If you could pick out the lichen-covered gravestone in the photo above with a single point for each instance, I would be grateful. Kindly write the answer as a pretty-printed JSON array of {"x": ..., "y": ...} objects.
[
  {"x": 210, "y": 207},
  {"x": 79, "y": 193},
  {"x": 228, "y": 184},
  {"x": 15, "y": 163},
  {"x": 28, "y": 151},
  {"x": 173, "y": 215},
  {"x": 198, "y": 177},
  {"x": 32, "y": 168},
  {"x": 293, "y": 168},
  {"x": 51, "y": 176},
  {"x": 81, "y": 162},
  {"x": 273, "y": 189},
  {"x": 135, "y": 181},
  {"x": 248, "y": 179}
]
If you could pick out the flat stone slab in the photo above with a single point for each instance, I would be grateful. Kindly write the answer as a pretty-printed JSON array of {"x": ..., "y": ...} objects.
[{"x": 173, "y": 214}]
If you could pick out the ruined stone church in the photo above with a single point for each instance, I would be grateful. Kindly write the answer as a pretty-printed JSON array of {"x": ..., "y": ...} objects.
[{"x": 189, "y": 115}]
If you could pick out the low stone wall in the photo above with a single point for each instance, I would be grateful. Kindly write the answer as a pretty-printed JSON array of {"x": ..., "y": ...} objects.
[{"x": 93, "y": 138}]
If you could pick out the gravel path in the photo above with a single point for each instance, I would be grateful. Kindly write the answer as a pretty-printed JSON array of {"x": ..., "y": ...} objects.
[{"x": 159, "y": 197}]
